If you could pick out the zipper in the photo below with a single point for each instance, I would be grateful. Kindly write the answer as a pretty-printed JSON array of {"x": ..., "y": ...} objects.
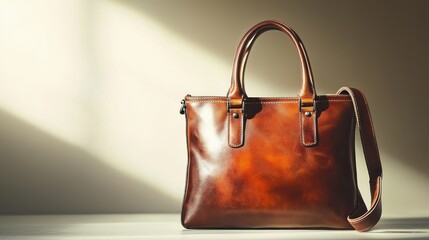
[{"x": 183, "y": 107}]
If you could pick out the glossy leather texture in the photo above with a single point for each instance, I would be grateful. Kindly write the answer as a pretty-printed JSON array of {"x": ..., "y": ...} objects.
[{"x": 278, "y": 162}]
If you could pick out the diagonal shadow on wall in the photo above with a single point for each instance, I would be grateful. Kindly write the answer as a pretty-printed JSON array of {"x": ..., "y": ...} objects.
[{"x": 41, "y": 174}]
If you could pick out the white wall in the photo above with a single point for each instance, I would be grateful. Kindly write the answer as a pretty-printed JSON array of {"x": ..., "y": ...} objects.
[{"x": 90, "y": 92}]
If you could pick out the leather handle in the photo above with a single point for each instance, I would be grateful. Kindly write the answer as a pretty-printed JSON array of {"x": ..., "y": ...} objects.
[{"x": 236, "y": 92}]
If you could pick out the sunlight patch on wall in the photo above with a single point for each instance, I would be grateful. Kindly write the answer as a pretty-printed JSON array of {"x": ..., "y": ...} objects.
[
  {"x": 43, "y": 65},
  {"x": 145, "y": 71}
]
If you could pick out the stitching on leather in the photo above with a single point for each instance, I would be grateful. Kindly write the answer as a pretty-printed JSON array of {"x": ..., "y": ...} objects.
[
  {"x": 351, "y": 93},
  {"x": 302, "y": 130},
  {"x": 208, "y": 101},
  {"x": 314, "y": 128},
  {"x": 280, "y": 98},
  {"x": 263, "y": 102},
  {"x": 229, "y": 131},
  {"x": 262, "y": 98},
  {"x": 271, "y": 102},
  {"x": 370, "y": 121},
  {"x": 341, "y": 96},
  {"x": 241, "y": 129},
  {"x": 334, "y": 100},
  {"x": 359, "y": 120}
]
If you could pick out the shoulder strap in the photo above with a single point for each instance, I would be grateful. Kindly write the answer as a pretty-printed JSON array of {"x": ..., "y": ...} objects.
[{"x": 364, "y": 222}]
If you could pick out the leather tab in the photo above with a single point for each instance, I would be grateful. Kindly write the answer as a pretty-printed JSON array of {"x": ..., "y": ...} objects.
[
  {"x": 308, "y": 121},
  {"x": 235, "y": 127}
]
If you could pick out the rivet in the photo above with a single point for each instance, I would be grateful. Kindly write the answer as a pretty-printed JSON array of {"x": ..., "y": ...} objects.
[
  {"x": 307, "y": 114},
  {"x": 235, "y": 115}
]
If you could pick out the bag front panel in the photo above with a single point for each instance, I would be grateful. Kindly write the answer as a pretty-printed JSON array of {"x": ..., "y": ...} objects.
[{"x": 272, "y": 181}]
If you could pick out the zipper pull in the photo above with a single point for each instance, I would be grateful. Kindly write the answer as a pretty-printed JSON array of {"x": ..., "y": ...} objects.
[{"x": 183, "y": 107}]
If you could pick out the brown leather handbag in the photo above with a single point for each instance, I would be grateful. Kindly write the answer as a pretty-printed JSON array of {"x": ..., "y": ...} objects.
[{"x": 278, "y": 162}]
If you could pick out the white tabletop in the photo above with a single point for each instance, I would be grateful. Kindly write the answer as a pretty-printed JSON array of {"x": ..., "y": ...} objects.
[{"x": 167, "y": 226}]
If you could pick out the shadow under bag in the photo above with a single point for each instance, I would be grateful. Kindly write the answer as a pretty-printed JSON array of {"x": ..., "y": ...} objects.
[{"x": 285, "y": 162}]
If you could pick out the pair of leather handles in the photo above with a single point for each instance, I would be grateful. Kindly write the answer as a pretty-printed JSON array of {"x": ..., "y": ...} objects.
[{"x": 237, "y": 94}]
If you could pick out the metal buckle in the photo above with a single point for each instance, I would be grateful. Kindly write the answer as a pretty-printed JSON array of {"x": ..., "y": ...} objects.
[
  {"x": 300, "y": 105},
  {"x": 242, "y": 107}
]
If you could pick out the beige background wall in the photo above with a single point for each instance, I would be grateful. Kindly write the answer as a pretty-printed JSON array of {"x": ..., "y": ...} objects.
[{"x": 90, "y": 92}]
